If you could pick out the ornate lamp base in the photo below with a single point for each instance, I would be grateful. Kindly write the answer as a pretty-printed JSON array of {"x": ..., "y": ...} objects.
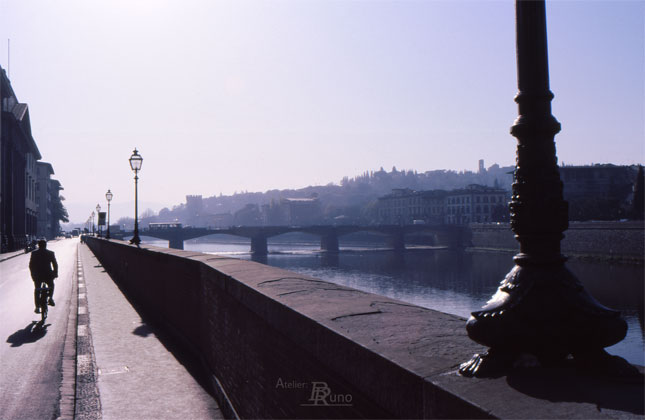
[{"x": 540, "y": 315}]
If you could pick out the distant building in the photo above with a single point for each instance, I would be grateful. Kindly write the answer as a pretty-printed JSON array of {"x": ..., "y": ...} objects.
[
  {"x": 597, "y": 180},
  {"x": 302, "y": 211},
  {"x": 194, "y": 210},
  {"x": 194, "y": 203},
  {"x": 601, "y": 192},
  {"x": 248, "y": 215},
  {"x": 292, "y": 212},
  {"x": 222, "y": 220},
  {"x": 403, "y": 206},
  {"x": 475, "y": 203}
]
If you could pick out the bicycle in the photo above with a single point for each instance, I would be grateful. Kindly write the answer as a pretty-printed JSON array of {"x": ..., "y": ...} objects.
[{"x": 42, "y": 296}]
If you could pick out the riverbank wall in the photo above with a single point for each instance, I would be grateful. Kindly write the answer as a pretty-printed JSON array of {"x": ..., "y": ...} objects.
[
  {"x": 277, "y": 344},
  {"x": 621, "y": 241}
]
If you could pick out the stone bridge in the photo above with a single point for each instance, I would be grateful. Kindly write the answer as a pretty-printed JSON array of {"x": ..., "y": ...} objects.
[{"x": 447, "y": 235}]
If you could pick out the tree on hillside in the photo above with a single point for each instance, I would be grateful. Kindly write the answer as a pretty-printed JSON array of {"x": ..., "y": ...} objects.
[
  {"x": 126, "y": 223},
  {"x": 148, "y": 213}
]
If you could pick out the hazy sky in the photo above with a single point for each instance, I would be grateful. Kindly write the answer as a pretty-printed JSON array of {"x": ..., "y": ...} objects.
[{"x": 225, "y": 96}]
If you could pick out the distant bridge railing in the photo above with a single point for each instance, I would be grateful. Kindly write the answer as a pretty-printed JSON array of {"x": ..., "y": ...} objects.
[{"x": 446, "y": 235}]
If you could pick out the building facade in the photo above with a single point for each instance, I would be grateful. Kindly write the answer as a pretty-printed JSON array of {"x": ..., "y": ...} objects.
[
  {"x": 18, "y": 156},
  {"x": 292, "y": 212},
  {"x": 475, "y": 203},
  {"x": 302, "y": 211},
  {"x": 598, "y": 192},
  {"x": 403, "y": 206},
  {"x": 20, "y": 190}
]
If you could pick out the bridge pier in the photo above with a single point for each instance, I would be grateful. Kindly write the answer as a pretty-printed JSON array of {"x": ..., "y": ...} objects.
[
  {"x": 176, "y": 243},
  {"x": 329, "y": 242},
  {"x": 259, "y": 245},
  {"x": 397, "y": 240}
]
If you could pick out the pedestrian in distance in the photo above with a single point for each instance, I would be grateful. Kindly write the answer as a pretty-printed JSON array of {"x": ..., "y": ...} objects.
[{"x": 44, "y": 269}]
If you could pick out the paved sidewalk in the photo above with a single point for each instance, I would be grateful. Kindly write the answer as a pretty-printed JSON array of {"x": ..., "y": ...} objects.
[
  {"x": 138, "y": 378},
  {"x": 8, "y": 255}
]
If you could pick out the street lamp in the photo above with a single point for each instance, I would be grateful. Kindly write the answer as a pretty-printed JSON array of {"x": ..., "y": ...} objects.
[
  {"x": 108, "y": 197},
  {"x": 135, "y": 164},
  {"x": 92, "y": 222},
  {"x": 540, "y": 308},
  {"x": 98, "y": 218}
]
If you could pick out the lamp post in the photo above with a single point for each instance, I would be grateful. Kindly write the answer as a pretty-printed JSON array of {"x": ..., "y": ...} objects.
[
  {"x": 108, "y": 197},
  {"x": 135, "y": 164},
  {"x": 540, "y": 308},
  {"x": 92, "y": 222},
  {"x": 98, "y": 220}
]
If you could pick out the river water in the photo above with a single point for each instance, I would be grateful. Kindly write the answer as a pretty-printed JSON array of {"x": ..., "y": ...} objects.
[{"x": 455, "y": 282}]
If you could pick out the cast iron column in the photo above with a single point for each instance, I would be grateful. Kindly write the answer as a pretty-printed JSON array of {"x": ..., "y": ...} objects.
[
  {"x": 135, "y": 238},
  {"x": 540, "y": 308},
  {"x": 135, "y": 164},
  {"x": 108, "y": 197}
]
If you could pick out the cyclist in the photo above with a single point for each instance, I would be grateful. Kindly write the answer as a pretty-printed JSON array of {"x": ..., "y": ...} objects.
[{"x": 44, "y": 269}]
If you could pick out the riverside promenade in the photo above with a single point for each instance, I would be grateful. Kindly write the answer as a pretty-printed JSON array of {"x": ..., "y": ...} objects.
[
  {"x": 123, "y": 369},
  {"x": 211, "y": 337},
  {"x": 270, "y": 339}
]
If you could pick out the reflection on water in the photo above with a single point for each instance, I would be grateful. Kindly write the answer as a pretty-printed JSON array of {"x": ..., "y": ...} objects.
[{"x": 455, "y": 282}]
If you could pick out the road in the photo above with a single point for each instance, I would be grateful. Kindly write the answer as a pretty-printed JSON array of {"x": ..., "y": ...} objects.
[{"x": 30, "y": 357}]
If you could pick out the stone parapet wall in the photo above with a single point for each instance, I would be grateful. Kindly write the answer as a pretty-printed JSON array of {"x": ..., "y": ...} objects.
[
  {"x": 282, "y": 345},
  {"x": 620, "y": 240}
]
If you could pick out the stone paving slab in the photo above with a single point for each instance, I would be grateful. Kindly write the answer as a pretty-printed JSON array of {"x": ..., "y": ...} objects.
[{"x": 137, "y": 376}]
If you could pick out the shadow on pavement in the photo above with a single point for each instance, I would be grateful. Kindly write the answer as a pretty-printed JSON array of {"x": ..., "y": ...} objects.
[
  {"x": 142, "y": 331},
  {"x": 100, "y": 266},
  {"x": 30, "y": 334},
  {"x": 564, "y": 385}
]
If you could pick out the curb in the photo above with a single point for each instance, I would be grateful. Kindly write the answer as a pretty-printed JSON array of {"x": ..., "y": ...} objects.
[
  {"x": 68, "y": 384},
  {"x": 87, "y": 403},
  {"x": 14, "y": 255}
]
